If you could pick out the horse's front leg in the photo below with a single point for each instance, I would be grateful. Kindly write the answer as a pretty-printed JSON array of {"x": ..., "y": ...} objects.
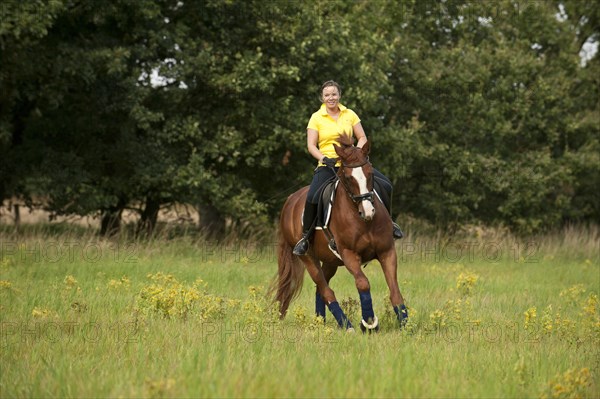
[
  {"x": 352, "y": 261},
  {"x": 326, "y": 293},
  {"x": 329, "y": 271},
  {"x": 389, "y": 265}
]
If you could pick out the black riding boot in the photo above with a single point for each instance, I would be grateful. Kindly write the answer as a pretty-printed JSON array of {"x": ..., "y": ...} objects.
[
  {"x": 308, "y": 221},
  {"x": 397, "y": 233}
]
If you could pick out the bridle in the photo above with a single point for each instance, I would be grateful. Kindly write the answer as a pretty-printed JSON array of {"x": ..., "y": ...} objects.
[{"x": 370, "y": 196}]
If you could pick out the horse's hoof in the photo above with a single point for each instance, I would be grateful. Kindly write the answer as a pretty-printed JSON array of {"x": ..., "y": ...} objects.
[
  {"x": 402, "y": 324},
  {"x": 370, "y": 328},
  {"x": 350, "y": 330}
]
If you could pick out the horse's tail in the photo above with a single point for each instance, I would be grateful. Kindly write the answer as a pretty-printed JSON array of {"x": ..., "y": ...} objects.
[{"x": 290, "y": 275}]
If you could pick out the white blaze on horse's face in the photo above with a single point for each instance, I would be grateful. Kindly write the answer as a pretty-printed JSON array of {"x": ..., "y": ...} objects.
[{"x": 368, "y": 210}]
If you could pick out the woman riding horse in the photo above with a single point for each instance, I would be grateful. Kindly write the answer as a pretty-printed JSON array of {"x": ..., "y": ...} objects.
[
  {"x": 359, "y": 223},
  {"x": 324, "y": 128}
]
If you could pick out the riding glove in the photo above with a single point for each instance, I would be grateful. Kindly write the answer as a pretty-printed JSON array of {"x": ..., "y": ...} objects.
[{"x": 329, "y": 162}]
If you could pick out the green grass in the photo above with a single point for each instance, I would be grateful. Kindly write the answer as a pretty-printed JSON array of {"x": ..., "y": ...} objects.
[{"x": 93, "y": 335}]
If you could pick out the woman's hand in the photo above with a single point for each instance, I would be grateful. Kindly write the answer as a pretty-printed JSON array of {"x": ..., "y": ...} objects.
[{"x": 329, "y": 162}]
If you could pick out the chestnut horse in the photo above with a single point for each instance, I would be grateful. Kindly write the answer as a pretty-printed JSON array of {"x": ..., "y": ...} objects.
[{"x": 362, "y": 229}]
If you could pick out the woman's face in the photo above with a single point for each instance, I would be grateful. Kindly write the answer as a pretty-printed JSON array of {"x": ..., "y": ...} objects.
[{"x": 331, "y": 97}]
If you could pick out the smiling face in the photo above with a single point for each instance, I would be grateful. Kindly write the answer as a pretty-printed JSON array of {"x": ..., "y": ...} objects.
[{"x": 331, "y": 97}]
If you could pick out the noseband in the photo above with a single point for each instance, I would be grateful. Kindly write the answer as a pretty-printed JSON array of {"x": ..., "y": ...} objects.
[{"x": 370, "y": 196}]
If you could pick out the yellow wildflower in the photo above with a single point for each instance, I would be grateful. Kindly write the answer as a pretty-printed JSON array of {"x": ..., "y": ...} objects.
[
  {"x": 233, "y": 303},
  {"x": 159, "y": 388},
  {"x": 591, "y": 305},
  {"x": 40, "y": 313},
  {"x": 465, "y": 282},
  {"x": 547, "y": 320},
  {"x": 5, "y": 284},
  {"x": 170, "y": 298},
  {"x": 572, "y": 384},
  {"x": 123, "y": 282},
  {"x": 530, "y": 316},
  {"x": 438, "y": 318},
  {"x": 300, "y": 314},
  {"x": 70, "y": 281},
  {"x": 573, "y": 293}
]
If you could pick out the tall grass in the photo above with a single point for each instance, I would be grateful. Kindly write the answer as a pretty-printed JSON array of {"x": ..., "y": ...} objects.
[{"x": 492, "y": 315}]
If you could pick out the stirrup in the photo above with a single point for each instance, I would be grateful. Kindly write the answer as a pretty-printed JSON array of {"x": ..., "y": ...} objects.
[{"x": 332, "y": 246}]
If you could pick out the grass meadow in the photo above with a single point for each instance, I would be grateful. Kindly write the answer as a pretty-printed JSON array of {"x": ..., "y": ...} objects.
[{"x": 490, "y": 316}]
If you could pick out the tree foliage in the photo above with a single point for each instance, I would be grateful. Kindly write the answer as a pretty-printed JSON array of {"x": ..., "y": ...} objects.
[{"x": 480, "y": 112}]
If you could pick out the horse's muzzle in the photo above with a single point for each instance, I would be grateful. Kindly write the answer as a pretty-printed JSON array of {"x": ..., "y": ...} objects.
[{"x": 366, "y": 211}]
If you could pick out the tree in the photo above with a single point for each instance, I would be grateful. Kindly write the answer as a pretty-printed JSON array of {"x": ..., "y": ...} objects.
[{"x": 483, "y": 86}]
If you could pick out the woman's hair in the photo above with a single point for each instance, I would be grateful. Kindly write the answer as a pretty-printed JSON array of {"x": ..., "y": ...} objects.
[{"x": 327, "y": 84}]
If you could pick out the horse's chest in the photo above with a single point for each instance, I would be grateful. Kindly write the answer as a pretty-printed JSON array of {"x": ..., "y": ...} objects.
[{"x": 366, "y": 248}]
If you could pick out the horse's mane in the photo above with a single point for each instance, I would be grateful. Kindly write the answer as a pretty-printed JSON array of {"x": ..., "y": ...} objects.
[
  {"x": 352, "y": 154},
  {"x": 345, "y": 140}
]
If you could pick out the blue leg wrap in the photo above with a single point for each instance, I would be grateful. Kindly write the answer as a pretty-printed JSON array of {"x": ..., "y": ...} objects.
[
  {"x": 339, "y": 315},
  {"x": 401, "y": 314},
  {"x": 319, "y": 305},
  {"x": 366, "y": 304}
]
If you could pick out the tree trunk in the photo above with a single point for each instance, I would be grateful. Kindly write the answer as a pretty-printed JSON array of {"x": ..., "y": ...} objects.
[
  {"x": 17, "y": 215},
  {"x": 111, "y": 219},
  {"x": 149, "y": 217},
  {"x": 111, "y": 222},
  {"x": 211, "y": 221}
]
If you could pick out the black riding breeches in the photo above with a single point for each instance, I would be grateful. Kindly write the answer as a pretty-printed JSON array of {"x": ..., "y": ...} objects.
[
  {"x": 321, "y": 175},
  {"x": 384, "y": 181}
]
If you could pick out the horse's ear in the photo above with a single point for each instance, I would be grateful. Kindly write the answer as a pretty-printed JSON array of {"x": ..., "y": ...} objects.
[
  {"x": 338, "y": 150},
  {"x": 366, "y": 148}
]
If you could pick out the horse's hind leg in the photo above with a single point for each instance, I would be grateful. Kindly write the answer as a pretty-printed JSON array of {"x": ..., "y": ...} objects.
[
  {"x": 389, "y": 265},
  {"x": 326, "y": 293}
]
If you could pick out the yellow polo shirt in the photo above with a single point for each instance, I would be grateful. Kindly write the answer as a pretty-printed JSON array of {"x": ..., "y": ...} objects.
[{"x": 330, "y": 129}]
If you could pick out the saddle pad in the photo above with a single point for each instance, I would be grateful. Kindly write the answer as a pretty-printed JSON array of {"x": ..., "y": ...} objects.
[{"x": 326, "y": 203}]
